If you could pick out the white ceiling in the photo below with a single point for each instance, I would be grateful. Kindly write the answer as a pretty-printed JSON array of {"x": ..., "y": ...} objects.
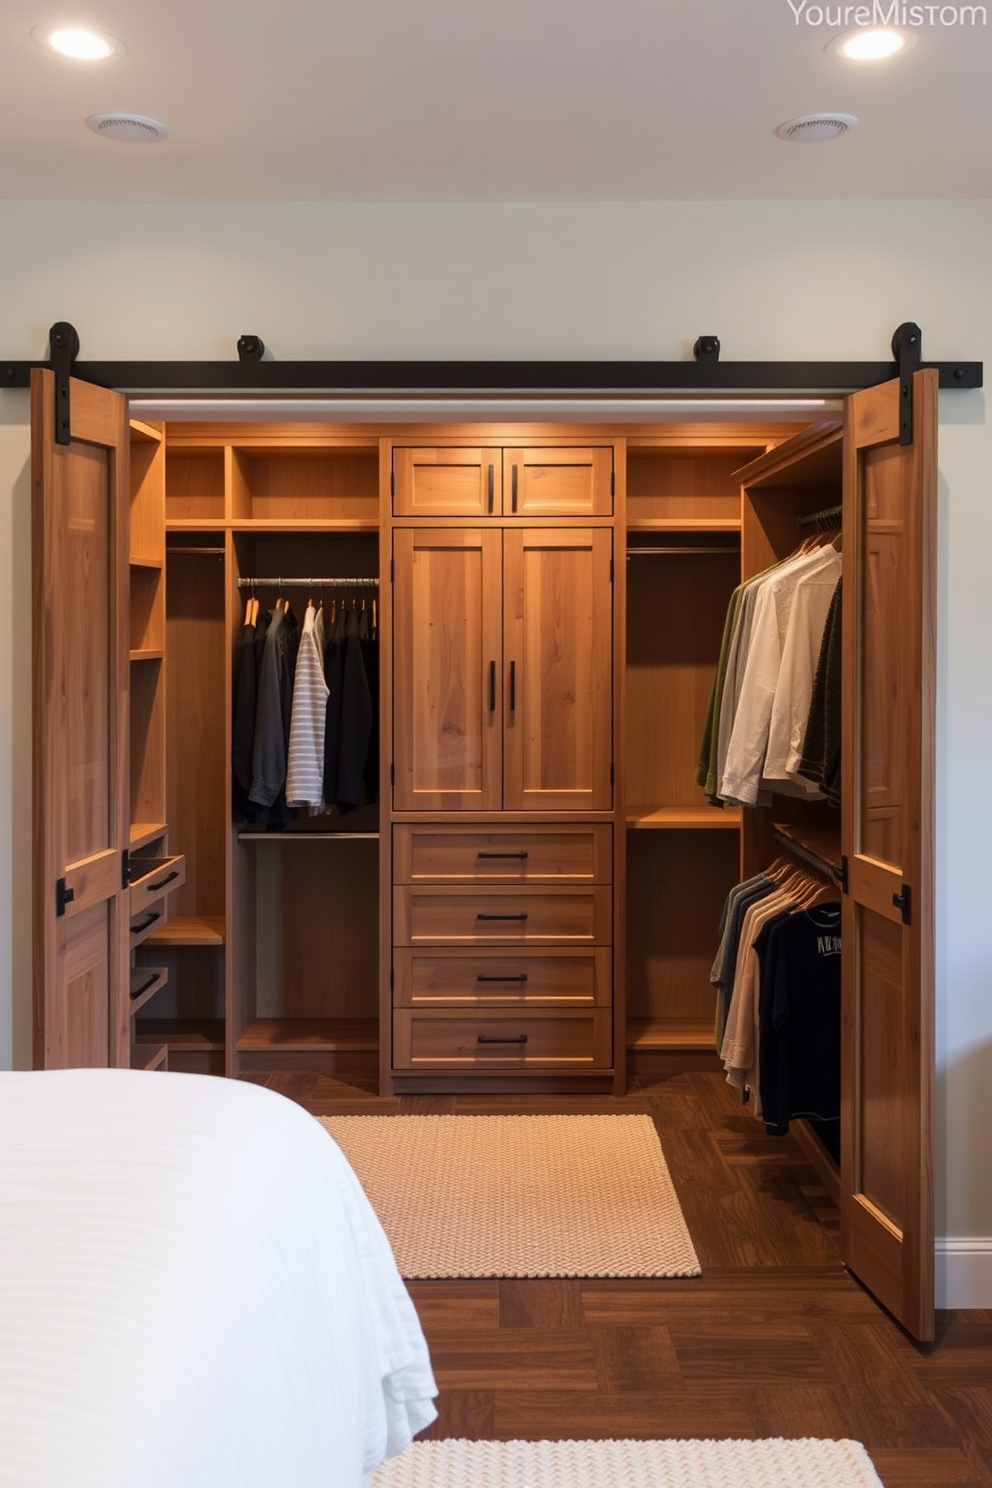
[{"x": 456, "y": 100}]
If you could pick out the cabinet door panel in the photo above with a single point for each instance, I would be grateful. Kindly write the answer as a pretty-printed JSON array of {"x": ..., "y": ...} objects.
[
  {"x": 447, "y": 482},
  {"x": 558, "y": 482},
  {"x": 80, "y": 554},
  {"x": 446, "y": 649},
  {"x": 557, "y": 663},
  {"x": 887, "y": 1225}
]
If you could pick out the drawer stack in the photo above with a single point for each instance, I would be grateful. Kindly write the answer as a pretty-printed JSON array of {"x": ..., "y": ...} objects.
[{"x": 502, "y": 948}]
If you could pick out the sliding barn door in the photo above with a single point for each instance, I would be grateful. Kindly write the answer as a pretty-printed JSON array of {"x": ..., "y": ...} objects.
[
  {"x": 888, "y": 842},
  {"x": 80, "y": 585}
]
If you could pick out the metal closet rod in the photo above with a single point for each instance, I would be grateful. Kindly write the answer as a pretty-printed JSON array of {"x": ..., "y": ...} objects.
[
  {"x": 830, "y": 514},
  {"x": 807, "y": 856},
  {"x": 309, "y": 583}
]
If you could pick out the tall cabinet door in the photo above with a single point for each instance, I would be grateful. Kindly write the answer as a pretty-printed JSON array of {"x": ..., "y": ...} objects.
[
  {"x": 446, "y": 668},
  {"x": 557, "y": 669},
  {"x": 888, "y": 840},
  {"x": 80, "y": 586}
]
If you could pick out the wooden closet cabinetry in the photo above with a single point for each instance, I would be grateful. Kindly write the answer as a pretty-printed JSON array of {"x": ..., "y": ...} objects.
[{"x": 466, "y": 481}]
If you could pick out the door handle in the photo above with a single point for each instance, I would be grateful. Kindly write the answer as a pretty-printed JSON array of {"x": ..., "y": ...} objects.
[
  {"x": 492, "y": 488},
  {"x": 492, "y": 687},
  {"x": 513, "y": 482},
  {"x": 513, "y": 686}
]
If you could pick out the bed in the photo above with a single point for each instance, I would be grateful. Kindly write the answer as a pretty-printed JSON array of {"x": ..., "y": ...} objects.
[{"x": 194, "y": 1292}]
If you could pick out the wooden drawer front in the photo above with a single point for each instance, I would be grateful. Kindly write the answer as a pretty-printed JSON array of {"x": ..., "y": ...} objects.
[
  {"x": 563, "y": 978},
  {"x": 150, "y": 917},
  {"x": 447, "y": 482},
  {"x": 423, "y": 916},
  {"x": 503, "y": 1040},
  {"x": 501, "y": 854},
  {"x": 150, "y": 878},
  {"x": 558, "y": 482}
]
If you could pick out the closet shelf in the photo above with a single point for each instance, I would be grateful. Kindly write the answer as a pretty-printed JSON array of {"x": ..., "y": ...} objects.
[
  {"x": 644, "y": 1034},
  {"x": 137, "y": 561},
  {"x": 145, "y": 433},
  {"x": 663, "y": 818},
  {"x": 146, "y": 981},
  {"x": 189, "y": 1035},
  {"x": 147, "y": 653},
  {"x": 365, "y": 526},
  {"x": 821, "y": 842},
  {"x": 301, "y": 1035},
  {"x": 683, "y": 524},
  {"x": 144, "y": 832},
  {"x": 308, "y": 836},
  {"x": 189, "y": 930},
  {"x": 149, "y": 1056}
]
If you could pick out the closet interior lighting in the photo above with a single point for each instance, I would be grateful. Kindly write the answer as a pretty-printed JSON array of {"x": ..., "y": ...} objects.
[
  {"x": 870, "y": 43},
  {"x": 308, "y": 583},
  {"x": 80, "y": 43}
]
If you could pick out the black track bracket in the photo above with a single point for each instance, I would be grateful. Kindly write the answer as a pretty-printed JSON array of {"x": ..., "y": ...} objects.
[
  {"x": 63, "y": 345},
  {"x": 907, "y": 348}
]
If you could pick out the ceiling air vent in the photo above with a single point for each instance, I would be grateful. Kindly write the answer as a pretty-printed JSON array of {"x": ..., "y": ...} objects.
[
  {"x": 811, "y": 127},
  {"x": 134, "y": 128}
]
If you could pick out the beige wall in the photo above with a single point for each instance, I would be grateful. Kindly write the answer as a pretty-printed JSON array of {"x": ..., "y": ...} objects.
[{"x": 805, "y": 280}]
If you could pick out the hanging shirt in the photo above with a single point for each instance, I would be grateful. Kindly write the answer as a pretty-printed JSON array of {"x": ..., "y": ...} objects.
[
  {"x": 356, "y": 719},
  {"x": 800, "y": 655},
  {"x": 305, "y": 768},
  {"x": 273, "y": 713},
  {"x": 800, "y": 1017}
]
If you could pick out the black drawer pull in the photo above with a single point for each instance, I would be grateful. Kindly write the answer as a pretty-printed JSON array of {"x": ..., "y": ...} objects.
[
  {"x": 521, "y": 916},
  {"x": 521, "y": 854},
  {"x": 167, "y": 879},
  {"x": 137, "y": 929},
  {"x": 520, "y": 976},
  {"x": 487, "y": 1038},
  {"x": 492, "y": 487},
  {"x": 513, "y": 506},
  {"x": 513, "y": 686},
  {"x": 492, "y": 687},
  {"x": 144, "y": 987}
]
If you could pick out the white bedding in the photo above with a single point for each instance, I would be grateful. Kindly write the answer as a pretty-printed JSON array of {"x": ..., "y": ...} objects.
[{"x": 194, "y": 1292}]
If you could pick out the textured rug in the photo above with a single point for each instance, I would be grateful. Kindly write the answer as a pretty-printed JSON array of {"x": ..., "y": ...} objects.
[
  {"x": 806, "y": 1463},
  {"x": 520, "y": 1195}
]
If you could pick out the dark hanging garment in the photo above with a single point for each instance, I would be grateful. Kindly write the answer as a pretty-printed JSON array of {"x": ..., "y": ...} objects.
[
  {"x": 370, "y": 657},
  {"x": 334, "y": 677},
  {"x": 273, "y": 715},
  {"x": 799, "y": 1017},
  {"x": 245, "y": 703},
  {"x": 820, "y": 760},
  {"x": 356, "y": 720}
]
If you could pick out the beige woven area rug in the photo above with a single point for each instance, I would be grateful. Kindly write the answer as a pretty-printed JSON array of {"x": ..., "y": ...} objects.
[
  {"x": 806, "y": 1463},
  {"x": 520, "y": 1195}
]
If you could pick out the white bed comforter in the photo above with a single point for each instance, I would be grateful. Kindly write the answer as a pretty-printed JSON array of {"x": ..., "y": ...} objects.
[{"x": 194, "y": 1292}]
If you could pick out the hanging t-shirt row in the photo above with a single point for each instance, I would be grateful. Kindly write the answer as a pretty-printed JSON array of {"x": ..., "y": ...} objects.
[
  {"x": 773, "y": 723},
  {"x": 306, "y": 713}
]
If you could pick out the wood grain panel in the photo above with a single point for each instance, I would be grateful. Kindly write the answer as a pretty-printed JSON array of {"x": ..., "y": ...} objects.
[
  {"x": 315, "y": 925},
  {"x": 442, "y": 978},
  {"x": 685, "y": 485},
  {"x": 447, "y": 482},
  {"x": 84, "y": 1019},
  {"x": 148, "y": 742},
  {"x": 675, "y": 613},
  {"x": 558, "y": 669},
  {"x": 446, "y": 673},
  {"x": 523, "y": 854},
  {"x": 501, "y": 1039},
  {"x": 439, "y": 916},
  {"x": 558, "y": 482},
  {"x": 676, "y": 885},
  {"x": 291, "y": 485},
  {"x": 194, "y": 484},
  {"x": 146, "y": 522}
]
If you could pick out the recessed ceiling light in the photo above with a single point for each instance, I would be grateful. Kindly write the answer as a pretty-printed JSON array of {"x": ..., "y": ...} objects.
[
  {"x": 808, "y": 128},
  {"x": 80, "y": 43},
  {"x": 135, "y": 129},
  {"x": 870, "y": 43}
]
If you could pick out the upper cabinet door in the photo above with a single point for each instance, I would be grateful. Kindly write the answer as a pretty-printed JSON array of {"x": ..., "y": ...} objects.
[
  {"x": 447, "y": 482},
  {"x": 558, "y": 482},
  {"x": 557, "y": 669},
  {"x": 80, "y": 585},
  {"x": 888, "y": 840},
  {"x": 446, "y": 670}
]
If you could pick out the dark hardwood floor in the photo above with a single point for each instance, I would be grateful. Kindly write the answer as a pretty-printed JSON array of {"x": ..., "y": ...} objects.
[{"x": 774, "y": 1339}]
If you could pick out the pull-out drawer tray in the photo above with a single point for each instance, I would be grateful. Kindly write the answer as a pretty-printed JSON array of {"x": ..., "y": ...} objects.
[{"x": 151, "y": 878}]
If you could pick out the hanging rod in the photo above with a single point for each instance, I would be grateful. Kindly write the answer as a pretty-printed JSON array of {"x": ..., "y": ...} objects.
[
  {"x": 808, "y": 856},
  {"x": 814, "y": 519},
  {"x": 308, "y": 583},
  {"x": 635, "y": 552},
  {"x": 199, "y": 552}
]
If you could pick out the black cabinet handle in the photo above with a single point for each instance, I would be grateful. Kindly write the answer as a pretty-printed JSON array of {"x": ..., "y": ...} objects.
[
  {"x": 485, "y": 1038},
  {"x": 521, "y": 916},
  {"x": 513, "y": 686},
  {"x": 492, "y": 487},
  {"x": 522, "y": 854},
  {"x": 137, "y": 929},
  {"x": 492, "y": 687},
  {"x": 167, "y": 879},
  {"x": 513, "y": 506},
  {"x": 144, "y": 987},
  {"x": 520, "y": 976}
]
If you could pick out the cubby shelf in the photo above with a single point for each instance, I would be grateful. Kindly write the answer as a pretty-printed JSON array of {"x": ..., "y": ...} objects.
[
  {"x": 674, "y": 818},
  {"x": 299, "y": 1035},
  {"x": 190, "y": 930}
]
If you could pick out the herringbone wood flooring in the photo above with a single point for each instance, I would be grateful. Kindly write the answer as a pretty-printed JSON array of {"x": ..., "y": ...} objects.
[{"x": 775, "y": 1338}]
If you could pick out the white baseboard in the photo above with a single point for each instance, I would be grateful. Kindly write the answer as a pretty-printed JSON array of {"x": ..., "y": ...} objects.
[{"x": 963, "y": 1272}]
